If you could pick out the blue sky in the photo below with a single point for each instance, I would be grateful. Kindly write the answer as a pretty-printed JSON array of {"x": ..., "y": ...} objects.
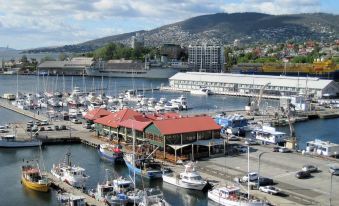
[{"x": 38, "y": 23}]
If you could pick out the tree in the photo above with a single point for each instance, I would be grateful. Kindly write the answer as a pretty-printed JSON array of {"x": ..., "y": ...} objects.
[{"x": 63, "y": 56}]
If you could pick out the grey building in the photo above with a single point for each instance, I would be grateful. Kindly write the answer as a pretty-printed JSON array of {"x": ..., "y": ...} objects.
[
  {"x": 75, "y": 66},
  {"x": 206, "y": 58}
]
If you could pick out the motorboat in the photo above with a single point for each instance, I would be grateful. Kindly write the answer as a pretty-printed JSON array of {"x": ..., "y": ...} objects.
[
  {"x": 68, "y": 199},
  {"x": 201, "y": 91},
  {"x": 153, "y": 197},
  {"x": 189, "y": 179},
  {"x": 231, "y": 196},
  {"x": 71, "y": 174},
  {"x": 145, "y": 167},
  {"x": 32, "y": 178},
  {"x": 112, "y": 153},
  {"x": 10, "y": 141}
]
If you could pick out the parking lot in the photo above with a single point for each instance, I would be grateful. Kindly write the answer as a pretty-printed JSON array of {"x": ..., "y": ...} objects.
[{"x": 281, "y": 167}]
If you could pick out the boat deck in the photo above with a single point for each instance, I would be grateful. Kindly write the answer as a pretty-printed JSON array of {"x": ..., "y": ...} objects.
[{"x": 67, "y": 188}]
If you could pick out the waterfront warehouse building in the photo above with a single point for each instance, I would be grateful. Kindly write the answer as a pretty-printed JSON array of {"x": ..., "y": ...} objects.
[
  {"x": 206, "y": 58},
  {"x": 75, "y": 66},
  {"x": 172, "y": 135},
  {"x": 226, "y": 83}
]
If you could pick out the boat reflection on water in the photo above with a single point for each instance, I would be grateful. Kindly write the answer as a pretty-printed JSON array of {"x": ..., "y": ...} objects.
[{"x": 181, "y": 196}]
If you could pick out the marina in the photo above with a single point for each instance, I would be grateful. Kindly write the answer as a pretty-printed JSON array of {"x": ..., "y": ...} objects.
[{"x": 210, "y": 164}]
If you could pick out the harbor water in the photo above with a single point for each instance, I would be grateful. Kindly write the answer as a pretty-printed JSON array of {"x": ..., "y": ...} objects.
[{"x": 13, "y": 193}]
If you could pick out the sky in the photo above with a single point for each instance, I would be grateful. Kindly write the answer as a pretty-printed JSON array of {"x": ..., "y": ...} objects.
[{"x": 38, "y": 23}]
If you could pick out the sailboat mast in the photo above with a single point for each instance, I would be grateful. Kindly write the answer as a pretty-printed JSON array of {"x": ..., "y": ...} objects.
[
  {"x": 133, "y": 159},
  {"x": 248, "y": 172}
]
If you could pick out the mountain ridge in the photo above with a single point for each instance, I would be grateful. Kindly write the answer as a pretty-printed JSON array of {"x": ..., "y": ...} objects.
[{"x": 224, "y": 28}]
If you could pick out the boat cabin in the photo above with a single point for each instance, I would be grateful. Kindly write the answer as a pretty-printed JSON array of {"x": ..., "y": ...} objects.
[
  {"x": 8, "y": 137},
  {"x": 229, "y": 192},
  {"x": 320, "y": 147},
  {"x": 269, "y": 135}
]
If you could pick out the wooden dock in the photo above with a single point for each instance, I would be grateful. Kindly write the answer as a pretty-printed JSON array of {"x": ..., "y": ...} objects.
[
  {"x": 5, "y": 104},
  {"x": 59, "y": 185}
]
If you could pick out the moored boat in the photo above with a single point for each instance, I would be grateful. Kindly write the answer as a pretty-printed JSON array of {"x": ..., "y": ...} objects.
[
  {"x": 112, "y": 153},
  {"x": 68, "y": 199},
  {"x": 145, "y": 167},
  {"x": 189, "y": 179},
  {"x": 231, "y": 196},
  {"x": 32, "y": 178},
  {"x": 73, "y": 175},
  {"x": 10, "y": 141}
]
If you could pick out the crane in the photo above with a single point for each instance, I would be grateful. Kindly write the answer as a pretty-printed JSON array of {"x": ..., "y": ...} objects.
[{"x": 254, "y": 107}]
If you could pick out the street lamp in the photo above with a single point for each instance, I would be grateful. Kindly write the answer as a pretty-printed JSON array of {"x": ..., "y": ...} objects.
[{"x": 259, "y": 168}]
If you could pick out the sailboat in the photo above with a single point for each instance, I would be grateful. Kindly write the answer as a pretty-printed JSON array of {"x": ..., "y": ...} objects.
[{"x": 231, "y": 195}]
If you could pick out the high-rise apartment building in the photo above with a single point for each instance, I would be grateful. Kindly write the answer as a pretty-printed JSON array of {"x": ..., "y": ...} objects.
[{"x": 206, "y": 58}]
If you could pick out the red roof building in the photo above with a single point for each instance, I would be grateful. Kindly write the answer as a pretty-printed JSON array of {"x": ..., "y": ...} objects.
[
  {"x": 114, "y": 119},
  {"x": 186, "y": 125},
  {"x": 96, "y": 114}
]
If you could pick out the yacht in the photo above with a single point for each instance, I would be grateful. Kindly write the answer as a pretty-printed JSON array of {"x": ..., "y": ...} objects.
[
  {"x": 73, "y": 175},
  {"x": 180, "y": 102},
  {"x": 189, "y": 179},
  {"x": 201, "y": 91},
  {"x": 231, "y": 196}
]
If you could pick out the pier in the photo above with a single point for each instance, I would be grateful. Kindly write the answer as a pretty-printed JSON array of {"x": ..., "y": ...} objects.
[
  {"x": 5, "y": 104},
  {"x": 59, "y": 185}
]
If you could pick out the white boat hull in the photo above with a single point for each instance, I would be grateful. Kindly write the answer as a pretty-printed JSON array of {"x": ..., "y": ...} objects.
[
  {"x": 228, "y": 202},
  {"x": 179, "y": 183}
]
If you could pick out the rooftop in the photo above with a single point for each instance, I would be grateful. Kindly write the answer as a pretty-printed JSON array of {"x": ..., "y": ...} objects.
[{"x": 285, "y": 81}]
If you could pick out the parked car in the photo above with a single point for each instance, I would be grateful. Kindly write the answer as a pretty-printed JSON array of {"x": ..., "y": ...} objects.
[
  {"x": 56, "y": 127},
  {"x": 251, "y": 142},
  {"x": 42, "y": 129},
  {"x": 75, "y": 121},
  {"x": 34, "y": 128},
  {"x": 252, "y": 177},
  {"x": 44, "y": 123},
  {"x": 309, "y": 168},
  {"x": 334, "y": 169},
  {"x": 49, "y": 128},
  {"x": 233, "y": 138},
  {"x": 275, "y": 149},
  {"x": 37, "y": 123},
  {"x": 302, "y": 174},
  {"x": 284, "y": 150},
  {"x": 240, "y": 148},
  {"x": 269, "y": 190},
  {"x": 63, "y": 127}
]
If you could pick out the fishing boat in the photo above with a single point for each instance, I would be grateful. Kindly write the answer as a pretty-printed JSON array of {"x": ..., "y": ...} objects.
[
  {"x": 106, "y": 192},
  {"x": 32, "y": 178},
  {"x": 73, "y": 175},
  {"x": 110, "y": 152},
  {"x": 153, "y": 197},
  {"x": 68, "y": 199},
  {"x": 189, "y": 179},
  {"x": 10, "y": 141},
  {"x": 145, "y": 167}
]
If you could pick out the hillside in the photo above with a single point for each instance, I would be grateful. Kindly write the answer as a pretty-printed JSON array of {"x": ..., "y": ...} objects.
[{"x": 224, "y": 28}]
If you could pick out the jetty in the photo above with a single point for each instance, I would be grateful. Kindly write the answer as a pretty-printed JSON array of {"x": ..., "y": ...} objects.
[
  {"x": 59, "y": 185},
  {"x": 5, "y": 104}
]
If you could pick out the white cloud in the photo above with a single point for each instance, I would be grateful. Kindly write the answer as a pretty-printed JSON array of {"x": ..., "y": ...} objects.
[
  {"x": 274, "y": 6},
  {"x": 77, "y": 21}
]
